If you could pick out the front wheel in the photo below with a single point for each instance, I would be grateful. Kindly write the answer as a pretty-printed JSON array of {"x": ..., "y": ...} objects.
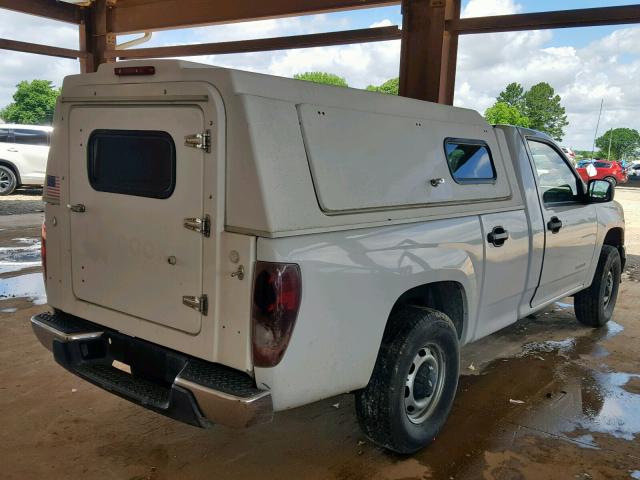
[
  {"x": 611, "y": 180},
  {"x": 8, "y": 180},
  {"x": 594, "y": 305},
  {"x": 414, "y": 381}
]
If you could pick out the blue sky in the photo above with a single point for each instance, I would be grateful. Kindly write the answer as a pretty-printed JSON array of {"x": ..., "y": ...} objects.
[{"x": 584, "y": 65}]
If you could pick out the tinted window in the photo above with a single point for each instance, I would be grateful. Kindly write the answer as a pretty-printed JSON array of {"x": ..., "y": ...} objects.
[
  {"x": 557, "y": 182},
  {"x": 31, "y": 137},
  {"x": 602, "y": 164},
  {"x": 132, "y": 162},
  {"x": 4, "y": 135},
  {"x": 469, "y": 161}
]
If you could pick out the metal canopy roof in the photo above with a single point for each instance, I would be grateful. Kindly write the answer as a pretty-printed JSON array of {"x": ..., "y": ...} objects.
[{"x": 429, "y": 34}]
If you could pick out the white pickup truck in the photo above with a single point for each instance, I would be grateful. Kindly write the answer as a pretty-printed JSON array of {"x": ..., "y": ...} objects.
[{"x": 222, "y": 245}]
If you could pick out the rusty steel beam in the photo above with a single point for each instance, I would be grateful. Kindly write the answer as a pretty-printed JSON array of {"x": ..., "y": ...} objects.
[
  {"x": 39, "y": 49},
  {"x": 364, "y": 35},
  {"x": 421, "y": 53},
  {"x": 449, "y": 55},
  {"x": 96, "y": 37},
  {"x": 140, "y": 15},
  {"x": 583, "y": 17},
  {"x": 64, "y": 12}
]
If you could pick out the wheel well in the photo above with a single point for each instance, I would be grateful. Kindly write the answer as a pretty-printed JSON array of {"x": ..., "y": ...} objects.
[
  {"x": 7, "y": 163},
  {"x": 615, "y": 238},
  {"x": 446, "y": 297}
]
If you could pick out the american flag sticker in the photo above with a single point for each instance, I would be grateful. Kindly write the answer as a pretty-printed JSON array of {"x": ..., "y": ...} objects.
[{"x": 51, "y": 193}]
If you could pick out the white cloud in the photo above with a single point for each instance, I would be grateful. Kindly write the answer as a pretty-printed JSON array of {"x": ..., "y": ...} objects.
[
  {"x": 485, "y": 8},
  {"x": 608, "y": 68},
  {"x": 15, "y": 66}
]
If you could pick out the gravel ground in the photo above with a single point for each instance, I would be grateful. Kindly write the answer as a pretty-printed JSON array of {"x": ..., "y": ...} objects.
[{"x": 22, "y": 201}]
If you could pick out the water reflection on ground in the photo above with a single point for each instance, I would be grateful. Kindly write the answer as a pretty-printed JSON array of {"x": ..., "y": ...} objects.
[
  {"x": 29, "y": 286},
  {"x": 25, "y": 253}
]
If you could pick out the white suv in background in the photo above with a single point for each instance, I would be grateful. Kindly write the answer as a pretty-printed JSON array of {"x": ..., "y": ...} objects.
[{"x": 23, "y": 156}]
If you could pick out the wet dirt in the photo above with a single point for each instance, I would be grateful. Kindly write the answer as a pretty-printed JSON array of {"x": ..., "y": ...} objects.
[{"x": 546, "y": 399}]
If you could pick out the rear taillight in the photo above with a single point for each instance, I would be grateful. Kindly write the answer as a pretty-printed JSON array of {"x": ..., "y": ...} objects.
[
  {"x": 43, "y": 249},
  {"x": 277, "y": 292}
]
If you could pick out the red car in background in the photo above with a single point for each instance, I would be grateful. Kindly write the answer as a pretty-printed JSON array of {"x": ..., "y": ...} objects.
[{"x": 605, "y": 170}]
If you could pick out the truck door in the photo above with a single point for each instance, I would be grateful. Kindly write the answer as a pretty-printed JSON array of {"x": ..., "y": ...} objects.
[
  {"x": 134, "y": 184},
  {"x": 570, "y": 224},
  {"x": 506, "y": 237},
  {"x": 33, "y": 147}
]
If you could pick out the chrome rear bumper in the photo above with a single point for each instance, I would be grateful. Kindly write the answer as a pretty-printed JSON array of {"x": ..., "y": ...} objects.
[{"x": 184, "y": 388}]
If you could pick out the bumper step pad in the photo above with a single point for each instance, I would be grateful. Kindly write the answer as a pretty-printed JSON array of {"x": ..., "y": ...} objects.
[{"x": 181, "y": 387}]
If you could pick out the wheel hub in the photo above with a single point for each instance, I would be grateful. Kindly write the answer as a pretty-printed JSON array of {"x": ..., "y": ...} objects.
[
  {"x": 424, "y": 384},
  {"x": 5, "y": 181}
]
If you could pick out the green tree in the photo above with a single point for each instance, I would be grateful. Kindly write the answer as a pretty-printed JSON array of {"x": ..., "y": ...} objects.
[
  {"x": 33, "y": 103},
  {"x": 322, "y": 77},
  {"x": 625, "y": 143},
  {"x": 543, "y": 108},
  {"x": 390, "y": 87},
  {"x": 538, "y": 108},
  {"x": 512, "y": 95},
  {"x": 502, "y": 113}
]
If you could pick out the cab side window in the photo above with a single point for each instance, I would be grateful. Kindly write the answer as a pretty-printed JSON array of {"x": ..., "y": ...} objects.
[
  {"x": 4, "y": 135},
  {"x": 31, "y": 137},
  {"x": 557, "y": 182}
]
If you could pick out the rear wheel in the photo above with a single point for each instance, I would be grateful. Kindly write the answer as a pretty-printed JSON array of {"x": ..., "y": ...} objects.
[
  {"x": 594, "y": 305},
  {"x": 611, "y": 180},
  {"x": 8, "y": 180},
  {"x": 412, "y": 388}
]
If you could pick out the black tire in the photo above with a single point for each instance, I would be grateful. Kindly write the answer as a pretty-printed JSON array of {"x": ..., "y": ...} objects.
[
  {"x": 611, "y": 180},
  {"x": 594, "y": 305},
  {"x": 382, "y": 406},
  {"x": 8, "y": 180}
]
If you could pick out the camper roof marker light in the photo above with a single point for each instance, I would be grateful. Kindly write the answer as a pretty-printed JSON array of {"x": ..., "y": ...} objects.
[{"x": 128, "y": 71}]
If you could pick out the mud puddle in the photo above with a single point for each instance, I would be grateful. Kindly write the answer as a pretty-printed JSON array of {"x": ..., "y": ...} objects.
[
  {"x": 543, "y": 402},
  {"x": 29, "y": 286},
  {"x": 23, "y": 254},
  {"x": 20, "y": 270}
]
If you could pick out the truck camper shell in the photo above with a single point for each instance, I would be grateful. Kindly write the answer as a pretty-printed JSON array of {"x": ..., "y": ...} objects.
[{"x": 300, "y": 157}]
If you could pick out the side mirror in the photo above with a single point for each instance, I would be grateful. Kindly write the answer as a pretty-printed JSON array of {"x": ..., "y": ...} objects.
[{"x": 600, "y": 191}]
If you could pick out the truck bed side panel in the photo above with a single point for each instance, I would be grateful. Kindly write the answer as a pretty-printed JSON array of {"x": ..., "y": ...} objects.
[{"x": 350, "y": 282}]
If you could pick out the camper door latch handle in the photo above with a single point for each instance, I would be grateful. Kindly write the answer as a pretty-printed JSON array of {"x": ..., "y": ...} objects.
[
  {"x": 239, "y": 273},
  {"x": 77, "y": 208},
  {"x": 436, "y": 181},
  {"x": 200, "y": 225},
  {"x": 199, "y": 140}
]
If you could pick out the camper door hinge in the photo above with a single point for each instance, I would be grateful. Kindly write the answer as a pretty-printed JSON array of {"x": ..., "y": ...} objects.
[
  {"x": 200, "y": 304},
  {"x": 199, "y": 140},
  {"x": 199, "y": 224}
]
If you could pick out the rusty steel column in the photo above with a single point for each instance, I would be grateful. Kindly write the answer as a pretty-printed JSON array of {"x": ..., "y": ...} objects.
[
  {"x": 96, "y": 35},
  {"x": 449, "y": 55},
  {"x": 421, "y": 54}
]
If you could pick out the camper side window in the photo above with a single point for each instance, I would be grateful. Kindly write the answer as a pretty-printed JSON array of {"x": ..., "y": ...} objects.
[
  {"x": 469, "y": 161},
  {"x": 132, "y": 162}
]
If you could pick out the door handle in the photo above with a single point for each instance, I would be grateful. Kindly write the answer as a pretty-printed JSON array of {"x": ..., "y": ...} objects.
[
  {"x": 497, "y": 236},
  {"x": 77, "y": 208},
  {"x": 554, "y": 225},
  {"x": 15, "y": 150}
]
